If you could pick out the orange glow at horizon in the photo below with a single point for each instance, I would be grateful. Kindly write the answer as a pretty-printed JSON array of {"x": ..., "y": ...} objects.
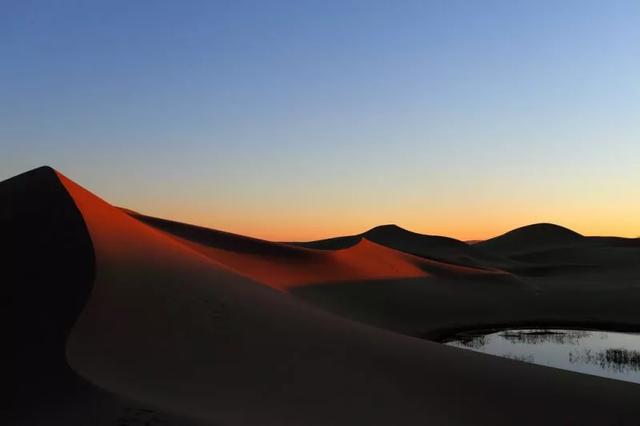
[{"x": 472, "y": 226}]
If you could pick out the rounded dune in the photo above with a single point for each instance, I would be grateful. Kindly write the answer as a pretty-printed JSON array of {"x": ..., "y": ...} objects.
[{"x": 532, "y": 237}]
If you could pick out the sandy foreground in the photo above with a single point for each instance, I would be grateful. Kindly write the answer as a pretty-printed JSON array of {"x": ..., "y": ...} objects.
[{"x": 126, "y": 319}]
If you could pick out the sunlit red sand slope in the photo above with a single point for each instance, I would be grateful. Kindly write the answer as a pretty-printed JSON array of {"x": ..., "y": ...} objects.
[
  {"x": 284, "y": 266},
  {"x": 202, "y": 325}
]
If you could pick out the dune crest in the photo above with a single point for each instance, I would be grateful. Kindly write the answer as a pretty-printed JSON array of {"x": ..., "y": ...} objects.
[{"x": 50, "y": 264}]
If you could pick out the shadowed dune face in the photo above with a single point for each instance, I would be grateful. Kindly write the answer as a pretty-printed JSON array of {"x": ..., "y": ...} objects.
[
  {"x": 53, "y": 270},
  {"x": 336, "y": 243},
  {"x": 222, "y": 240}
]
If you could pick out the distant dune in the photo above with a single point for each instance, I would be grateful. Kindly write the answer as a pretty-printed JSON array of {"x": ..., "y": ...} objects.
[
  {"x": 531, "y": 237},
  {"x": 429, "y": 246},
  {"x": 124, "y": 318}
]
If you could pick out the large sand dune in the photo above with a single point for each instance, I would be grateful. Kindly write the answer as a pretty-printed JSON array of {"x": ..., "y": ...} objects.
[
  {"x": 201, "y": 326},
  {"x": 286, "y": 266}
]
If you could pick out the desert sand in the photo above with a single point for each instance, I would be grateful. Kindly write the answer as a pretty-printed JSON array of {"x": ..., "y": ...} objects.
[{"x": 124, "y": 319}]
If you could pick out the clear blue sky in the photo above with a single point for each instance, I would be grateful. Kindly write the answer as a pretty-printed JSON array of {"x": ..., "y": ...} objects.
[{"x": 306, "y": 119}]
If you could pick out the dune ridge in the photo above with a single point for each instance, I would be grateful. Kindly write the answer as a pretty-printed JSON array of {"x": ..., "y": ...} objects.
[{"x": 284, "y": 266}]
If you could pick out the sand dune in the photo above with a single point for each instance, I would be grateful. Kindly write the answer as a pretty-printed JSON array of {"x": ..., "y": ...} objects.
[
  {"x": 202, "y": 326},
  {"x": 531, "y": 237},
  {"x": 429, "y": 246},
  {"x": 285, "y": 266}
]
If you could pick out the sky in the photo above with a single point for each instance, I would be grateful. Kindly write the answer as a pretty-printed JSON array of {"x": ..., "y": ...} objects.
[{"x": 300, "y": 120}]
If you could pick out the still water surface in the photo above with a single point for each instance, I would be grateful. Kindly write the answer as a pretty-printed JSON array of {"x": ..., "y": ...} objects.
[{"x": 601, "y": 353}]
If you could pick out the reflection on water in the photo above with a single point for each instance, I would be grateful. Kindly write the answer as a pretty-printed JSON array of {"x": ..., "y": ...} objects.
[
  {"x": 607, "y": 354},
  {"x": 567, "y": 337},
  {"x": 619, "y": 360}
]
